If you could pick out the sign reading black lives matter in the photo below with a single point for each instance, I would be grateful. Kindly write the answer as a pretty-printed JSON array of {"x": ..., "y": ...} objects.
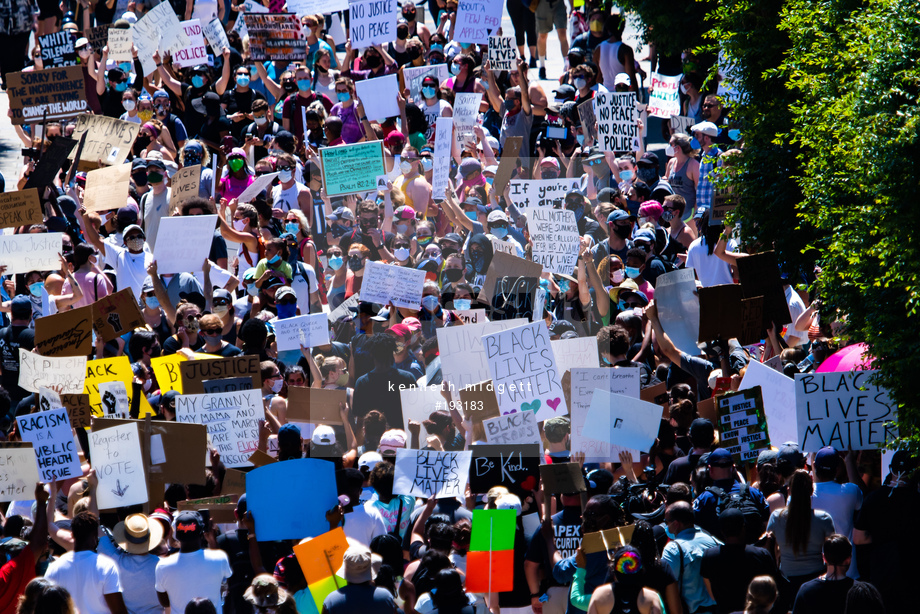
[
  {"x": 617, "y": 130},
  {"x": 844, "y": 410}
]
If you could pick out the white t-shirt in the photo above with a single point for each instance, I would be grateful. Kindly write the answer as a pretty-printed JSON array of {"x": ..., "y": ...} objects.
[
  {"x": 432, "y": 113},
  {"x": 363, "y": 526},
  {"x": 188, "y": 575},
  {"x": 796, "y": 308},
  {"x": 304, "y": 287},
  {"x": 87, "y": 576},
  {"x": 136, "y": 574},
  {"x": 130, "y": 269},
  {"x": 709, "y": 269}
]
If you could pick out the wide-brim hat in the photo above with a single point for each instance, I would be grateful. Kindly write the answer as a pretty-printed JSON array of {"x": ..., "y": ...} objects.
[{"x": 138, "y": 534}]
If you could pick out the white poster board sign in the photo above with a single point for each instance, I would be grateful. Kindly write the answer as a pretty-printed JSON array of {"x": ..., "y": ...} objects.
[
  {"x": 426, "y": 473},
  {"x": 120, "y": 44},
  {"x": 18, "y": 474},
  {"x": 31, "y": 252},
  {"x": 463, "y": 358},
  {"x": 621, "y": 381},
  {"x": 372, "y": 22},
  {"x": 232, "y": 419},
  {"x": 466, "y": 114},
  {"x": 778, "y": 392},
  {"x": 617, "y": 129},
  {"x": 623, "y": 421},
  {"x": 389, "y": 283},
  {"x": 158, "y": 30},
  {"x": 379, "y": 96},
  {"x": 119, "y": 465},
  {"x": 195, "y": 52},
  {"x": 527, "y": 193},
  {"x": 216, "y": 35},
  {"x": 843, "y": 410},
  {"x": 524, "y": 373},
  {"x": 308, "y": 330},
  {"x": 476, "y": 20},
  {"x": 664, "y": 99},
  {"x": 56, "y": 452},
  {"x": 516, "y": 428},
  {"x": 180, "y": 247},
  {"x": 580, "y": 353},
  {"x": 443, "y": 137},
  {"x": 418, "y": 404},
  {"x": 114, "y": 396},
  {"x": 679, "y": 308},
  {"x": 502, "y": 53},
  {"x": 63, "y": 374},
  {"x": 555, "y": 237}
]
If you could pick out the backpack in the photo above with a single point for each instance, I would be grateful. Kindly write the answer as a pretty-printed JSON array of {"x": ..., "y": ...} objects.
[{"x": 750, "y": 508}]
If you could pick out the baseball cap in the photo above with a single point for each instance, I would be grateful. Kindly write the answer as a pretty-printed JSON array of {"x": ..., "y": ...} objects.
[
  {"x": 21, "y": 307},
  {"x": 368, "y": 460},
  {"x": 284, "y": 291},
  {"x": 343, "y": 213},
  {"x": 560, "y": 326},
  {"x": 323, "y": 435},
  {"x": 404, "y": 213},
  {"x": 707, "y": 128},
  {"x": 617, "y": 215},
  {"x": 189, "y": 526},
  {"x": 390, "y": 441},
  {"x": 700, "y": 212},
  {"x": 289, "y": 434},
  {"x": 127, "y": 215},
  {"x": 400, "y": 330},
  {"x": 827, "y": 459},
  {"x": 621, "y": 79},
  {"x": 509, "y": 502},
  {"x": 720, "y": 457},
  {"x": 469, "y": 166},
  {"x": 154, "y": 163},
  {"x": 557, "y": 427},
  {"x": 789, "y": 454},
  {"x": 565, "y": 92},
  {"x": 768, "y": 455},
  {"x": 497, "y": 216},
  {"x": 701, "y": 428},
  {"x": 132, "y": 227},
  {"x": 138, "y": 163},
  {"x": 648, "y": 159},
  {"x": 645, "y": 234}
]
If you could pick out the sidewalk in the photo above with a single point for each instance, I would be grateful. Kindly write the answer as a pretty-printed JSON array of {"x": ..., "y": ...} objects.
[{"x": 10, "y": 147}]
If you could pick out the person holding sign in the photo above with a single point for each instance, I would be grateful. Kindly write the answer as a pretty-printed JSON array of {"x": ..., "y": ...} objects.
[
  {"x": 130, "y": 261},
  {"x": 682, "y": 171},
  {"x": 295, "y": 106}
]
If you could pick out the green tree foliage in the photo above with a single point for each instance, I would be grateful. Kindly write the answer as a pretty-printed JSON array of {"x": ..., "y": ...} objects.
[{"x": 674, "y": 25}]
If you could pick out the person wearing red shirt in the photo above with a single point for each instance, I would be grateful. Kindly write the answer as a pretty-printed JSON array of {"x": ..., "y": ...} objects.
[{"x": 19, "y": 571}]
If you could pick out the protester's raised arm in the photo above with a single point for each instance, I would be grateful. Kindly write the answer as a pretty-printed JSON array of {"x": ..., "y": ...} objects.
[
  {"x": 271, "y": 85},
  {"x": 221, "y": 86},
  {"x": 160, "y": 291},
  {"x": 665, "y": 344}
]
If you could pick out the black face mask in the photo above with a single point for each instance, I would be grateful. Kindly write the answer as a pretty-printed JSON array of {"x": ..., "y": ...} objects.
[
  {"x": 372, "y": 61},
  {"x": 414, "y": 53},
  {"x": 402, "y": 33},
  {"x": 289, "y": 86},
  {"x": 622, "y": 231},
  {"x": 649, "y": 176},
  {"x": 368, "y": 225},
  {"x": 140, "y": 179},
  {"x": 453, "y": 275},
  {"x": 212, "y": 108},
  {"x": 142, "y": 141},
  {"x": 321, "y": 69},
  {"x": 409, "y": 16}
]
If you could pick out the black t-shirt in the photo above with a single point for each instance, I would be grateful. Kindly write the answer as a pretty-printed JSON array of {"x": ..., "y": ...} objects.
[
  {"x": 213, "y": 132},
  {"x": 567, "y": 535},
  {"x": 239, "y": 102},
  {"x": 356, "y": 236},
  {"x": 364, "y": 362},
  {"x": 820, "y": 596},
  {"x": 192, "y": 117},
  {"x": 730, "y": 568},
  {"x": 11, "y": 339},
  {"x": 681, "y": 469},
  {"x": 449, "y": 507},
  {"x": 235, "y": 544},
  {"x": 218, "y": 247},
  {"x": 379, "y": 389}
]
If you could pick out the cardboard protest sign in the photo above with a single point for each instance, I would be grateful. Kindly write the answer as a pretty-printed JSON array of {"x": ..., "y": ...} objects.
[
  {"x": 119, "y": 465},
  {"x": 18, "y": 471},
  {"x": 194, "y": 372},
  {"x": 751, "y": 320},
  {"x": 121, "y": 45},
  {"x": 308, "y": 330},
  {"x": 57, "y": 49},
  {"x": 67, "y": 333},
  {"x": 114, "y": 397},
  {"x": 844, "y": 410},
  {"x": 476, "y": 20},
  {"x": 555, "y": 237},
  {"x": 320, "y": 560},
  {"x": 679, "y": 308},
  {"x": 427, "y": 473},
  {"x": 478, "y": 401},
  {"x": 516, "y": 428},
  {"x": 234, "y": 483},
  {"x": 59, "y": 92},
  {"x": 159, "y": 29},
  {"x": 586, "y": 436},
  {"x": 463, "y": 358},
  {"x": 107, "y": 187},
  {"x": 507, "y": 266},
  {"x": 232, "y": 419},
  {"x": 275, "y": 36},
  {"x": 524, "y": 371},
  {"x": 230, "y": 384},
  {"x": 778, "y": 393},
  {"x": 743, "y": 425},
  {"x": 216, "y": 35},
  {"x": 372, "y": 22},
  {"x": 175, "y": 448},
  {"x": 56, "y": 452},
  {"x": 607, "y": 540},
  {"x": 379, "y": 96},
  {"x": 315, "y": 405},
  {"x": 262, "y": 182},
  {"x": 588, "y": 119},
  {"x": 116, "y": 314},
  {"x": 184, "y": 186},
  {"x": 166, "y": 370},
  {"x": 20, "y": 208},
  {"x": 98, "y": 37},
  {"x": 389, "y": 283},
  {"x": 348, "y": 169},
  {"x": 502, "y": 53},
  {"x": 107, "y": 139},
  {"x": 562, "y": 478},
  {"x": 575, "y": 353},
  {"x": 116, "y": 369},
  {"x": 514, "y": 466},
  {"x": 507, "y": 163},
  {"x": 413, "y": 77},
  {"x": 681, "y": 123},
  {"x": 550, "y": 193},
  {"x": 179, "y": 246},
  {"x": 195, "y": 52},
  {"x": 466, "y": 114},
  {"x": 724, "y": 200},
  {"x": 759, "y": 275},
  {"x": 77, "y": 406},
  {"x": 617, "y": 129},
  {"x": 664, "y": 98},
  {"x": 291, "y": 513},
  {"x": 31, "y": 252},
  {"x": 49, "y": 166},
  {"x": 443, "y": 138},
  {"x": 221, "y": 508},
  {"x": 720, "y": 312},
  {"x": 62, "y": 374},
  {"x": 491, "y": 553}
]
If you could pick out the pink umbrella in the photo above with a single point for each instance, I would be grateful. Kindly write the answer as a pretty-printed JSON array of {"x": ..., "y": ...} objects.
[{"x": 851, "y": 358}]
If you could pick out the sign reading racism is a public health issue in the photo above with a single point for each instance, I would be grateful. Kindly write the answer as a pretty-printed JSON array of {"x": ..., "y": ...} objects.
[
  {"x": 844, "y": 410},
  {"x": 56, "y": 451},
  {"x": 59, "y": 92}
]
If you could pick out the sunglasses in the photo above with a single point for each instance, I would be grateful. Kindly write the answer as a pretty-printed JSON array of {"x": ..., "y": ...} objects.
[
  {"x": 211, "y": 331},
  {"x": 406, "y": 245},
  {"x": 285, "y": 168}
]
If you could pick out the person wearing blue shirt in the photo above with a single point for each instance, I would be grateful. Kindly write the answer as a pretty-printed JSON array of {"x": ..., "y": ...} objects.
[
  {"x": 684, "y": 555},
  {"x": 706, "y": 506}
]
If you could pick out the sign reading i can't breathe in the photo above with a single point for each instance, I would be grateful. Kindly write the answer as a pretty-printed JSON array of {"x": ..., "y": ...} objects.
[{"x": 844, "y": 410}]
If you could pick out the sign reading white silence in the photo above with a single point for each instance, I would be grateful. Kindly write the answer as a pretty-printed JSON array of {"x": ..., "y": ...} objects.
[
  {"x": 616, "y": 121},
  {"x": 232, "y": 419},
  {"x": 524, "y": 372},
  {"x": 18, "y": 473},
  {"x": 427, "y": 473},
  {"x": 389, "y": 283},
  {"x": 119, "y": 465},
  {"x": 52, "y": 439},
  {"x": 555, "y": 237},
  {"x": 844, "y": 410},
  {"x": 585, "y": 435},
  {"x": 179, "y": 247},
  {"x": 308, "y": 330}
]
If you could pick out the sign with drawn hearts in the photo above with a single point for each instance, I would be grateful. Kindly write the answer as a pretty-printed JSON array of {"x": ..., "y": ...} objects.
[
  {"x": 524, "y": 372},
  {"x": 516, "y": 467}
]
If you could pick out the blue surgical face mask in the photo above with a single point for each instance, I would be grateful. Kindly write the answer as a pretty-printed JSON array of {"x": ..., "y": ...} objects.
[
  {"x": 489, "y": 180},
  {"x": 470, "y": 214},
  {"x": 335, "y": 263},
  {"x": 622, "y": 306},
  {"x": 252, "y": 289},
  {"x": 151, "y": 302},
  {"x": 580, "y": 84},
  {"x": 632, "y": 272},
  {"x": 197, "y": 81},
  {"x": 465, "y": 45},
  {"x": 462, "y": 303},
  {"x": 428, "y": 92},
  {"x": 454, "y": 69},
  {"x": 694, "y": 144},
  {"x": 287, "y": 311},
  {"x": 120, "y": 87},
  {"x": 343, "y": 96},
  {"x": 626, "y": 175},
  {"x": 285, "y": 176},
  {"x": 275, "y": 259},
  {"x": 242, "y": 80},
  {"x": 292, "y": 227},
  {"x": 734, "y": 134},
  {"x": 667, "y": 531},
  {"x": 304, "y": 85},
  {"x": 427, "y": 164},
  {"x": 430, "y": 303},
  {"x": 36, "y": 289},
  {"x": 563, "y": 285},
  {"x": 501, "y": 233},
  {"x": 580, "y": 138},
  {"x": 125, "y": 67}
]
